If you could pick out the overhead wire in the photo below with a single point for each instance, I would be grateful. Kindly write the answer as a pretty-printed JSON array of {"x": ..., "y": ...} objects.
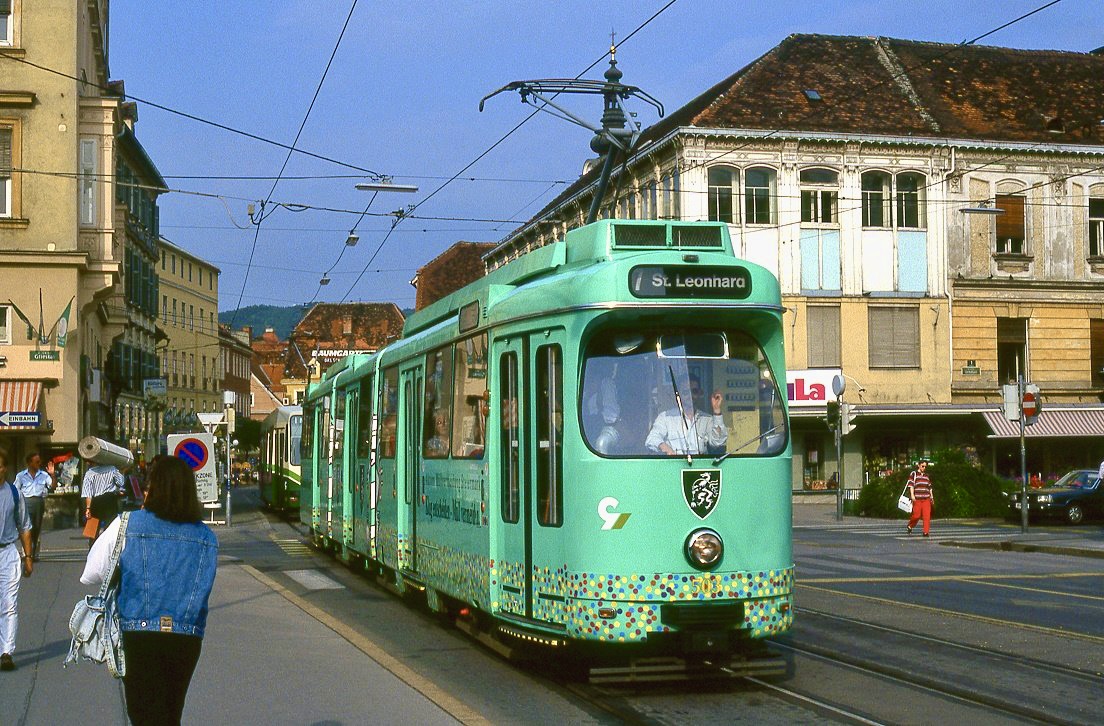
[{"x": 495, "y": 145}]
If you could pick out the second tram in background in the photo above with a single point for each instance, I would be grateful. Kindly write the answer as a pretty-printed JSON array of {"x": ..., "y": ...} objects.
[
  {"x": 588, "y": 449},
  {"x": 279, "y": 477}
]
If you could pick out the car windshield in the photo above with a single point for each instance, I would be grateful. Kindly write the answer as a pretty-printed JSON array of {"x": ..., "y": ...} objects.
[
  {"x": 678, "y": 391},
  {"x": 1077, "y": 480}
]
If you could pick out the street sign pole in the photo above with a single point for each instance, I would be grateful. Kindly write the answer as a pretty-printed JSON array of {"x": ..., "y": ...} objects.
[
  {"x": 228, "y": 495},
  {"x": 1023, "y": 459}
]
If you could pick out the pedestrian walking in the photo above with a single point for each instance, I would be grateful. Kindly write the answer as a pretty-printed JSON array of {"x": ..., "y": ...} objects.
[
  {"x": 167, "y": 570},
  {"x": 15, "y": 525},
  {"x": 35, "y": 484},
  {"x": 100, "y": 488},
  {"x": 920, "y": 492}
]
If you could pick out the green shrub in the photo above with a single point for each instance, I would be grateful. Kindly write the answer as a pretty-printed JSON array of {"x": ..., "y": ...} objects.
[{"x": 960, "y": 489}]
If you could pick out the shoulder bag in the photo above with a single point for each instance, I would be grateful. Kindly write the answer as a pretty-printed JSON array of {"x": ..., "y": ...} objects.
[
  {"x": 903, "y": 501},
  {"x": 95, "y": 619}
]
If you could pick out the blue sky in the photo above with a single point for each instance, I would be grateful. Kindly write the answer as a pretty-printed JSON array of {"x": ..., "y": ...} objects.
[{"x": 401, "y": 98}]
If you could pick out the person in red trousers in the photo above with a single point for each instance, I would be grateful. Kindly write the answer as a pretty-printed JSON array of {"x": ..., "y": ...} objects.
[{"x": 920, "y": 492}]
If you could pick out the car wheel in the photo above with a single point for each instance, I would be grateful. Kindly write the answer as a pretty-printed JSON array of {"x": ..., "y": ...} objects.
[{"x": 1075, "y": 514}]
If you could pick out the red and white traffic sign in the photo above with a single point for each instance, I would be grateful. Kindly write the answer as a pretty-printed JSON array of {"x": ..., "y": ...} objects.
[
  {"x": 1030, "y": 405},
  {"x": 198, "y": 452}
]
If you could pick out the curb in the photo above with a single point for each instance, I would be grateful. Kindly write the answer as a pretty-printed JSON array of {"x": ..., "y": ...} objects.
[{"x": 1022, "y": 547}]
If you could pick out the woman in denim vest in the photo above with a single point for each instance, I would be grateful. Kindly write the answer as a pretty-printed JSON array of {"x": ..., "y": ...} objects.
[{"x": 167, "y": 568}]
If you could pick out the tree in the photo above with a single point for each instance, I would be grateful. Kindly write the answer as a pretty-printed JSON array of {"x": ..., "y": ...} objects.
[{"x": 248, "y": 433}]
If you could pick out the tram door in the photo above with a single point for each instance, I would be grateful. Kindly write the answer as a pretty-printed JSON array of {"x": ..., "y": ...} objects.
[
  {"x": 530, "y": 396},
  {"x": 410, "y": 404}
]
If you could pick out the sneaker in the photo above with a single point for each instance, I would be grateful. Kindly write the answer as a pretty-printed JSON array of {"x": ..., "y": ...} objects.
[
  {"x": 925, "y": 534},
  {"x": 6, "y": 662},
  {"x": 908, "y": 530}
]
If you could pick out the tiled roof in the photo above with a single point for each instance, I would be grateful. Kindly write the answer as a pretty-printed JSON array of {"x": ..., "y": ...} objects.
[
  {"x": 451, "y": 270},
  {"x": 341, "y": 326},
  {"x": 889, "y": 87}
]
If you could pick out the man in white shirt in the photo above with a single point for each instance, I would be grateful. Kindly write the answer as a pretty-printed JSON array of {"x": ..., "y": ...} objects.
[
  {"x": 698, "y": 433},
  {"x": 34, "y": 484},
  {"x": 15, "y": 526},
  {"x": 100, "y": 489}
]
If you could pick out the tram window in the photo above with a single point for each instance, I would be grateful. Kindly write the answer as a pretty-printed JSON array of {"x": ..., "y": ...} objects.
[
  {"x": 437, "y": 420},
  {"x": 667, "y": 392},
  {"x": 308, "y": 433},
  {"x": 549, "y": 454},
  {"x": 509, "y": 441},
  {"x": 470, "y": 398},
  {"x": 295, "y": 426},
  {"x": 339, "y": 425},
  {"x": 389, "y": 413},
  {"x": 364, "y": 419}
]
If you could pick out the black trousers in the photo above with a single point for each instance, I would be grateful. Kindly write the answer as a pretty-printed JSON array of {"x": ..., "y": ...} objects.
[{"x": 159, "y": 668}]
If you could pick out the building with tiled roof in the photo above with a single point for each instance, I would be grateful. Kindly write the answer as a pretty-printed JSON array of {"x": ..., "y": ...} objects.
[
  {"x": 459, "y": 265},
  {"x": 330, "y": 332},
  {"x": 866, "y": 174}
]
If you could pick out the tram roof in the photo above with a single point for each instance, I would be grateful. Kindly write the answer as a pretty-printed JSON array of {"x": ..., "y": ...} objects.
[{"x": 603, "y": 241}]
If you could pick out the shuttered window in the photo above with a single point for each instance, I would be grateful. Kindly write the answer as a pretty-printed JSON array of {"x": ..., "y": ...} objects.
[
  {"x": 1011, "y": 226},
  {"x": 5, "y": 171},
  {"x": 88, "y": 182},
  {"x": 824, "y": 336},
  {"x": 894, "y": 337}
]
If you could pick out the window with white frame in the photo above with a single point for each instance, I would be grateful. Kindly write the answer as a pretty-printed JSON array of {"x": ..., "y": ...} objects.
[
  {"x": 724, "y": 185},
  {"x": 1096, "y": 227},
  {"x": 894, "y": 335},
  {"x": 875, "y": 199},
  {"x": 759, "y": 184},
  {"x": 5, "y": 171},
  {"x": 5, "y": 325},
  {"x": 1011, "y": 225},
  {"x": 88, "y": 182},
  {"x": 648, "y": 209},
  {"x": 7, "y": 26},
  {"x": 819, "y": 196},
  {"x": 910, "y": 188}
]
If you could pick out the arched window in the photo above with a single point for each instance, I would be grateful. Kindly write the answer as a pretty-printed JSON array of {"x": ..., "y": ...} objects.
[
  {"x": 875, "y": 199},
  {"x": 819, "y": 196},
  {"x": 723, "y": 183},
  {"x": 759, "y": 195},
  {"x": 910, "y": 200}
]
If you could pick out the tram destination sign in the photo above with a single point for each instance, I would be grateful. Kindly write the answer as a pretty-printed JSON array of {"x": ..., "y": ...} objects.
[{"x": 712, "y": 283}]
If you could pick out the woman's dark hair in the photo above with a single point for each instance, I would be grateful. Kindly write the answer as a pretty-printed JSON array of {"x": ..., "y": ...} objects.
[{"x": 172, "y": 491}]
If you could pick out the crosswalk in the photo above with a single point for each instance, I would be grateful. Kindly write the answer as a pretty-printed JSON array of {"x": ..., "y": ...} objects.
[
  {"x": 293, "y": 547},
  {"x": 940, "y": 531}
]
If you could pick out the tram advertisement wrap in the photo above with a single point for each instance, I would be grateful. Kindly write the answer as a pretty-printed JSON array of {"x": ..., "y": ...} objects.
[
  {"x": 456, "y": 497},
  {"x": 713, "y": 283}
]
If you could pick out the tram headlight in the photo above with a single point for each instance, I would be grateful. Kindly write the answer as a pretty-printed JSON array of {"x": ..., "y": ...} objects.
[{"x": 704, "y": 549}]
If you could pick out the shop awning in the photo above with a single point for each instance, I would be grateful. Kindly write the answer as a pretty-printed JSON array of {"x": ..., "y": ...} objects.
[
  {"x": 19, "y": 397},
  {"x": 1049, "y": 424}
]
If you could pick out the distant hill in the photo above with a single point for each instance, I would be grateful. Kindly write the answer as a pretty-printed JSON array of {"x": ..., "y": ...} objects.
[{"x": 281, "y": 319}]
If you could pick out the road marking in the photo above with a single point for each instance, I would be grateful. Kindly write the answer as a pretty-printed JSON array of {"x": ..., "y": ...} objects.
[
  {"x": 943, "y": 578},
  {"x": 446, "y": 702},
  {"x": 813, "y": 702},
  {"x": 965, "y": 616},
  {"x": 313, "y": 580},
  {"x": 1034, "y": 589}
]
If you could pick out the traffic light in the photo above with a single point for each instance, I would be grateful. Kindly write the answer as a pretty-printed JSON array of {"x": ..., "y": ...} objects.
[
  {"x": 832, "y": 414},
  {"x": 847, "y": 419}
]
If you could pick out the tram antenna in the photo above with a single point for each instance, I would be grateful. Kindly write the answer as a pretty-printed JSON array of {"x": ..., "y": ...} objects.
[{"x": 612, "y": 137}]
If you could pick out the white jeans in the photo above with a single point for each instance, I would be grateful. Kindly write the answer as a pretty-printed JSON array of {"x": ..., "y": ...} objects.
[{"x": 11, "y": 570}]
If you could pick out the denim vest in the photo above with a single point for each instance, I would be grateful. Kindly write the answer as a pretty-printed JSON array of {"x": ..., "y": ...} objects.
[{"x": 168, "y": 570}]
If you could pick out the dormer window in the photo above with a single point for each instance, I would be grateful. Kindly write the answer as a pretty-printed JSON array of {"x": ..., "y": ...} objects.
[{"x": 819, "y": 196}]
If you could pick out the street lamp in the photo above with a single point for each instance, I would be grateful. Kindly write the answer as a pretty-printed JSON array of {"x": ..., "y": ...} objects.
[{"x": 383, "y": 184}]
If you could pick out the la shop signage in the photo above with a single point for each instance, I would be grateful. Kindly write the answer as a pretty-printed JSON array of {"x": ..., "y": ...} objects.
[{"x": 810, "y": 387}]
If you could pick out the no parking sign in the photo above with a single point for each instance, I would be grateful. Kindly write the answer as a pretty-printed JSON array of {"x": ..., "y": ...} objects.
[{"x": 198, "y": 452}]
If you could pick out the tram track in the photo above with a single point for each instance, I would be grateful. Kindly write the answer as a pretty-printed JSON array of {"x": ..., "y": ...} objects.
[{"x": 1016, "y": 685}]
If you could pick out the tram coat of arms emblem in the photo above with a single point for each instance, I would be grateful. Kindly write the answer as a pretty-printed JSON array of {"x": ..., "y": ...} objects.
[{"x": 701, "y": 488}]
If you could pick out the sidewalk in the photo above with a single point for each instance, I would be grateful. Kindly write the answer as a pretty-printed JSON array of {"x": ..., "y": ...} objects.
[
  {"x": 262, "y": 662},
  {"x": 1046, "y": 537}
]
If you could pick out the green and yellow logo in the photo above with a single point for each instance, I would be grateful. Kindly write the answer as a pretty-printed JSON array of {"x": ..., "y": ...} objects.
[{"x": 610, "y": 518}]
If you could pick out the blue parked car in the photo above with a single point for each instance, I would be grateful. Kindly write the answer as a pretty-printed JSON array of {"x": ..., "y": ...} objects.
[{"x": 1074, "y": 497}]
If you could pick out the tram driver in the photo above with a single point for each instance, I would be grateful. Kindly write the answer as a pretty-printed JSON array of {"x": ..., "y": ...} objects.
[{"x": 697, "y": 433}]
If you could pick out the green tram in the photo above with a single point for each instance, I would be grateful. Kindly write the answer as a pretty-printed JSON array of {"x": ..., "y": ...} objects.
[
  {"x": 281, "y": 437},
  {"x": 588, "y": 446}
]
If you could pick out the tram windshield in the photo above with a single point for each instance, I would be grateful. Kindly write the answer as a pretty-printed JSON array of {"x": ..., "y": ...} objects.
[{"x": 678, "y": 392}]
